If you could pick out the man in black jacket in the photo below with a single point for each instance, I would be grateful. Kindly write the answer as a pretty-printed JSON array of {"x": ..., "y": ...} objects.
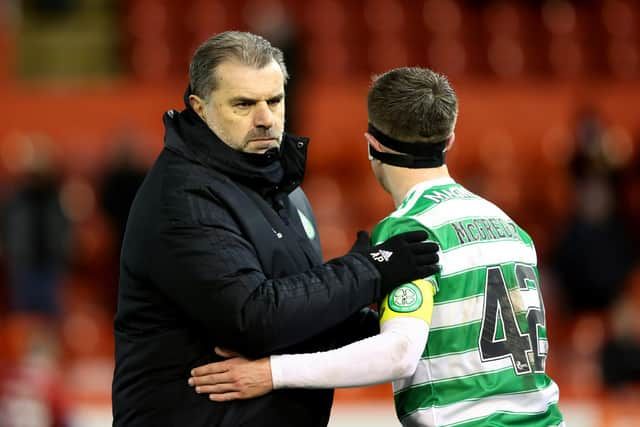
[{"x": 221, "y": 249}]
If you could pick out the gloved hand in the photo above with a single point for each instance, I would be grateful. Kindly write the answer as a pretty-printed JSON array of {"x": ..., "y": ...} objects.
[
  {"x": 401, "y": 259},
  {"x": 361, "y": 244}
]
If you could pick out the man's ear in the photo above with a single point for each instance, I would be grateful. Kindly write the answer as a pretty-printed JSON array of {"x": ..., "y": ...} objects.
[
  {"x": 373, "y": 141},
  {"x": 450, "y": 142},
  {"x": 198, "y": 105}
]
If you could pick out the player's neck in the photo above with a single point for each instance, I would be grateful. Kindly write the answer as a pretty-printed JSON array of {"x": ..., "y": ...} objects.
[{"x": 401, "y": 180}]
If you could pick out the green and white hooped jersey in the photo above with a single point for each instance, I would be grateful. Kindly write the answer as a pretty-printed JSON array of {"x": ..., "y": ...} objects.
[{"x": 484, "y": 360}]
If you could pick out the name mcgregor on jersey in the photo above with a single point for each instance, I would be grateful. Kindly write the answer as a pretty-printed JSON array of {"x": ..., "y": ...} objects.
[{"x": 475, "y": 229}]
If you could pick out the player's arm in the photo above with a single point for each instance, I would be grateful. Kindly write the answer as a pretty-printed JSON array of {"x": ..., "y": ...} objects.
[{"x": 392, "y": 354}]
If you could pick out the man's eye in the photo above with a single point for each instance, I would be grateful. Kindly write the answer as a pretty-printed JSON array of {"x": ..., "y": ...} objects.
[
  {"x": 243, "y": 105},
  {"x": 275, "y": 101}
]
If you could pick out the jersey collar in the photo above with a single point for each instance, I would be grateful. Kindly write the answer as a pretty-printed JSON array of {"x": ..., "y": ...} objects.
[{"x": 421, "y": 187}]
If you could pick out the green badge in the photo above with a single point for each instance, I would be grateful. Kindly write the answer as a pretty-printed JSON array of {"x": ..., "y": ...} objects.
[
  {"x": 405, "y": 298},
  {"x": 308, "y": 226}
]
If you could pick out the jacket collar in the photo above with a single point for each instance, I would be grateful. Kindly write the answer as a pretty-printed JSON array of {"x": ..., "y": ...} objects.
[{"x": 269, "y": 173}]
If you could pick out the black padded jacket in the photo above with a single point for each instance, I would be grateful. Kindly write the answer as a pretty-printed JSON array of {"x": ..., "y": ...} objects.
[{"x": 221, "y": 249}]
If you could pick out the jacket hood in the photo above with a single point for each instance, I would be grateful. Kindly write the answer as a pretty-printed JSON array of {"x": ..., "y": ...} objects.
[{"x": 274, "y": 171}]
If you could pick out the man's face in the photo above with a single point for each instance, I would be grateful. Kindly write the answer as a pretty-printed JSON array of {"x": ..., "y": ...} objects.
[{"x": 246, "y": 110}]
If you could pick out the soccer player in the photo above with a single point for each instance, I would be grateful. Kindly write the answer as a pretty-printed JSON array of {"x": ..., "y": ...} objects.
[{"x": 466, "y": 346}]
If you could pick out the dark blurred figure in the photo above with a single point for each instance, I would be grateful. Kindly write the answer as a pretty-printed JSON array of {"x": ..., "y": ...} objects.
[
  {"x": 619, "y": 361},
  {"x": 595, "y": 254},
  {"x": 118, "y": 188},
  {"x": 35, "y": 237},
  {"x": 595, "y": 257},
  {"x": 621, "y": 353},
  {"x": 53, "y": 8},
  {"x": 630, "y": 190},
  {"x": 119, "y": 185}
]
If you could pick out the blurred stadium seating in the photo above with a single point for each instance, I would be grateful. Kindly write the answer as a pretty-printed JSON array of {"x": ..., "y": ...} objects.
[{"x": 521, "y": 69}]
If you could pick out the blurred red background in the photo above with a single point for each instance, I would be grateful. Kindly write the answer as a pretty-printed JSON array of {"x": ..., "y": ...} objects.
[{"x": 524, "y": 72}]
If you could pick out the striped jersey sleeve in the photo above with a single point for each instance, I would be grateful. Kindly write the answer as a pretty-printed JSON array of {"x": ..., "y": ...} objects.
[{"x": 485, "y": 357}]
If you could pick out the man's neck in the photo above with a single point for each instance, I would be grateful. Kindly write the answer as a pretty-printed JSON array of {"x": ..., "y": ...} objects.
[{"x": 401, "y": 180}]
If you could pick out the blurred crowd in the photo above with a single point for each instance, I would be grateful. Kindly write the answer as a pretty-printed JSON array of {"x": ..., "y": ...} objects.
[
  {"x": 59, "y": 244},
  {"x": 594, "y": 262}
]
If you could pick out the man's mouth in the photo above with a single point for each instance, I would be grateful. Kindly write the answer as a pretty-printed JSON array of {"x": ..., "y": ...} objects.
[
  {"x": 264, "y": 142},
  {"x": 260, "y": 145}
]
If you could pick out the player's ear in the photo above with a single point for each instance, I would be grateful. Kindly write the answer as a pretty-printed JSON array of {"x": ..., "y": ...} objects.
[
  {"x": 450, "y": 142},
  {"x": 373, "y": 141}
]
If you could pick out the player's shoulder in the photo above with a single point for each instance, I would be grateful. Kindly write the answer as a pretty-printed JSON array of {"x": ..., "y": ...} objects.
[
  {"x": 420, "y": 199},
  {"x": 390, "y": 226}
]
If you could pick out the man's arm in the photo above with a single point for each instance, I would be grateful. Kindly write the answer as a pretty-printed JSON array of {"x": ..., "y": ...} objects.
[
  {"x": 392, "y": 354},
  {"x": 213, "y": 274}
]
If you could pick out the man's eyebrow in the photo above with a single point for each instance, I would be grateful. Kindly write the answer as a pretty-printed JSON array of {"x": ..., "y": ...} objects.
[
  {"x": 243, "y": 99},
  {"x": 247, "y": 100}
]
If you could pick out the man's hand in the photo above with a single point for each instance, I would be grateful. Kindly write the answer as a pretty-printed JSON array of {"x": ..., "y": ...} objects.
[
  {"x": 234, "y": 378},
  {"x": 401, "y": 259}
]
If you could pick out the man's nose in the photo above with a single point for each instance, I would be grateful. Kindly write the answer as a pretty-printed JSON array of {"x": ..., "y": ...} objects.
[{"x": 263, "y": 115}]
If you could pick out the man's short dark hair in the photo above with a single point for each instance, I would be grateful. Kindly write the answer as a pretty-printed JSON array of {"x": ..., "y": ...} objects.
[
  {"x": 246, "y": 48},
  {"x": 413, "y": 104}
]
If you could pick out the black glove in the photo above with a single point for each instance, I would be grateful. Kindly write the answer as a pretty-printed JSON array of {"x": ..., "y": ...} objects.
[
  {"x": 401, "y": 259},
  {"x": 361, "y": 244}
]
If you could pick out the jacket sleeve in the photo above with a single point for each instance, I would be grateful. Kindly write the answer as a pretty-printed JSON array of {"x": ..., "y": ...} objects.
[
  {"x": 363, "y": 324},
  {"x": 214, "y": 276}
]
